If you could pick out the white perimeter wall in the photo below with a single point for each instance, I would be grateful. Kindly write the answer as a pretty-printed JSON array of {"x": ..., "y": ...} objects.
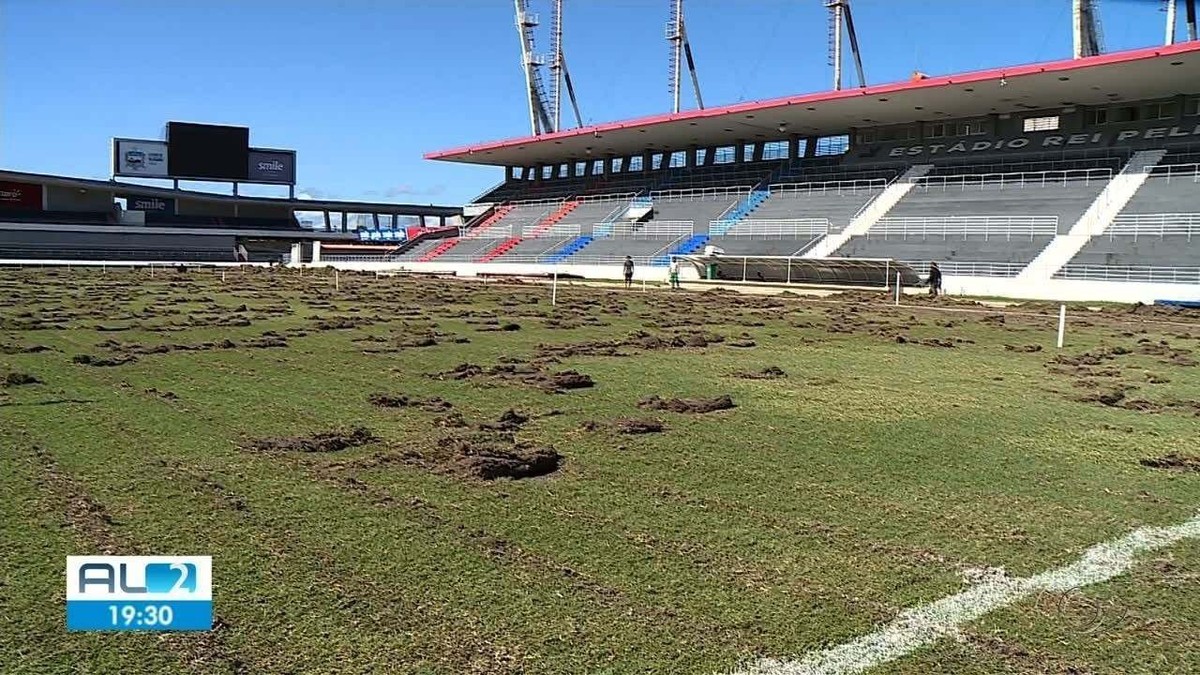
[{"x": 1053, "y": 289}]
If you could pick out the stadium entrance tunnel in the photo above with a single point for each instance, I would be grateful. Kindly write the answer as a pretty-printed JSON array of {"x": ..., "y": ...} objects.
[{"x": 835, "y": 272}]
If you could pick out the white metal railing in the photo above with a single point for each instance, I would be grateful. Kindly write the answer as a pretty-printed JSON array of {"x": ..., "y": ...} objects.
[
  {"x": 969, "y": 269},
  {"x": 1146, "y": 274},
  {"x": 654, "y": 229},
  {"x": 554, "y": 203},
  {"x": 698, "y": 194},
  {"x": 966, "y": 226},
  {"x": 1155, "y": 225},
  {"x": 1017, "y": 179},
  {"x": 493, "y": 231},
  {"x": 613, "y": 197},
  {"x": 1189, "y": 172},
  {"x": 357, "y": 258},
  {"x": 556, "y": 230},
  {"x": 829, "y": 187},
  {"x": 773, "y": 228}
]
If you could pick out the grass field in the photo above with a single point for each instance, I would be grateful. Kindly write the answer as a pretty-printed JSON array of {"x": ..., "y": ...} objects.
[{"x": 904, "y": 450}]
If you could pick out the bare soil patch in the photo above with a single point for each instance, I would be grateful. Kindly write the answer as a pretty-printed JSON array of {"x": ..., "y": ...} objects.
[
  {"x": 10, "y": 348},
  {"x": 1173, "y": 461},
  {"x": 434, "y": 404},
  {"x": 688, "y": 405},
  {"x": 1023, "y": 349},
  {"x": 522, "y": 373},
  {"x": 15, "y": 379},
  {"x": 768, "y": 373},
  {"x": 102, "y": 361},
  {"x": 485, "y": 455},
  {"x": 328, "y": 441}
]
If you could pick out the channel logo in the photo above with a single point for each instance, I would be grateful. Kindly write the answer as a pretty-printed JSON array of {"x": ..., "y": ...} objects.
[{"x": 146, "y": 593}]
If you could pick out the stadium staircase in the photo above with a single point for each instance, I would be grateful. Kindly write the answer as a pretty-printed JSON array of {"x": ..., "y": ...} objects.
[
  {"x": 640, "y": 207},
  {"x": 1096, "y": 219},
  {"x": 496, "y": 216},
  {"x": 687, "y": 247},
  {"x": 870, "y": 213},
  {"x": 542, "y": 226},
  {"x": 739, "y": 212},
  {"x": 550, "y": 220},
  {"x": 570, "y": 249},
  {"x": 440, "y": 249}
]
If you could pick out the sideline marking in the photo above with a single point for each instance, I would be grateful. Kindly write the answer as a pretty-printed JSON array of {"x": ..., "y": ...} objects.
[{"x": 926, "y": 624}]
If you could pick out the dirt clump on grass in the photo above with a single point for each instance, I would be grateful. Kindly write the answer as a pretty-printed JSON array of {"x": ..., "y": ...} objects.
[
  {"x": 1173, "y": 461},
  {"x": 102, "y": 361},
  {"x": 434, "y": 404},
  {"x": 639, "y": 426},
  {"x": 15, "y": 379},
  {"x": 451, "y": 420},
  {"x": 9, "y": 348},
  {"x": 485, "y": 455},
  {"x": 687, "y": 405},
  {"x": 521, "y": 373},
  {"x": 768, "y": 373},
  {"x": 327, "y": 441},
  {"x": 510, "y": 420},
  {"x": 1092, "y": 358},
  {"x": 629, "y": 426},
  {"x": 927, "y": 341},
  {"x": 640, "y": 340},
  {"x": 1112, "y": 397},
  {"x": 1023, "y": 349}
]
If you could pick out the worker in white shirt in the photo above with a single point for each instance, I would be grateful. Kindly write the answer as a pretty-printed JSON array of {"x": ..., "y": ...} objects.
[{"x": 674, "y": 272}]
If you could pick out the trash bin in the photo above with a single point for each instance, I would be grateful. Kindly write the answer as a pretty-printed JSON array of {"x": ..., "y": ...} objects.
[{"x": 710, "y": 271}]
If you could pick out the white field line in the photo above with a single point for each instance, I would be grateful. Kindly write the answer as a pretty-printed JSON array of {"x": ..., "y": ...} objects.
[{"x": 926, "y": 624}]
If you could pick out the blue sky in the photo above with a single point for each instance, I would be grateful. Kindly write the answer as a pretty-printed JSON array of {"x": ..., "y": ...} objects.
[{"x": 362, "y": 88}]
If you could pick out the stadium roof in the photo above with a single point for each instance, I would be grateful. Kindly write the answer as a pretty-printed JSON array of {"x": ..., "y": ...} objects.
[
  {"x": 171, "y": 193},
  {"x": 1098, "y": 80}
]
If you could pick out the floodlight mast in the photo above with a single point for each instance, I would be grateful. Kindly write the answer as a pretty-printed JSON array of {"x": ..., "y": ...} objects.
[
  {"x": 562, "y": 75},
  {"x": 539, "y": 109},
  {"x": 556, "y": 64},
  {"x": 841, "y": 16},
  {"x": 1086, "y": 33},
  {"x": 681, "y": 49},
  {"x": 1171, "y": 7},
  {"x": 835, "y": 42}
]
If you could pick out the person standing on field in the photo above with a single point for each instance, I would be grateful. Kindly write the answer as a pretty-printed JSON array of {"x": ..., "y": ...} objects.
[
  {"x": 674, "y": 271},
  {"x": 935, "y": 280},
  {"x": 628, "y": 271}
]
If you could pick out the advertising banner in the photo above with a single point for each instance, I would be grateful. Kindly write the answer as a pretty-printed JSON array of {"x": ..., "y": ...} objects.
[
  {"x": 20, "y": 195},
  {"x": 151, "y": 204},
  {"x": 138, "y": 158},
  {"x": 272, "y": 166}
]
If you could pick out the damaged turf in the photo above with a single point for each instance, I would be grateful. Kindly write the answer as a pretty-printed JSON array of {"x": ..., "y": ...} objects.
[
  {"x": 687, "y": 405},
  {"x": 329, "y": 441}
]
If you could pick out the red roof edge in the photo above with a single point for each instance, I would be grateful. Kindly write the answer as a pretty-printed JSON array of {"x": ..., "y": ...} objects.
[{"x": 890, "y": 88}]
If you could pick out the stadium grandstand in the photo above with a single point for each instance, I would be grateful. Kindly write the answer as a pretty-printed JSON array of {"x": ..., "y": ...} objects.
[
  {"x": 1071, "y": 179},
  {"x": 1074, "y": 179},
  {"x": 48, "y": 219}
]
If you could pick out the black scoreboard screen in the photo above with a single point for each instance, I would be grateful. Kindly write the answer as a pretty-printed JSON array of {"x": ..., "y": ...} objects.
[{"x": 207, "y": 151}]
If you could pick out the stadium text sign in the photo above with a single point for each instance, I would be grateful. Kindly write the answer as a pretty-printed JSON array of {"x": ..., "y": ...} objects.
[
  {"x": 153, "y": 204},
  {"x": 134, "y": 592},
  {"x": 1049, "y": 141},
  {"x": 145, "y": 159},
  {"x": 20, "y": 195},
  {"x": 272, "y": 166}
]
